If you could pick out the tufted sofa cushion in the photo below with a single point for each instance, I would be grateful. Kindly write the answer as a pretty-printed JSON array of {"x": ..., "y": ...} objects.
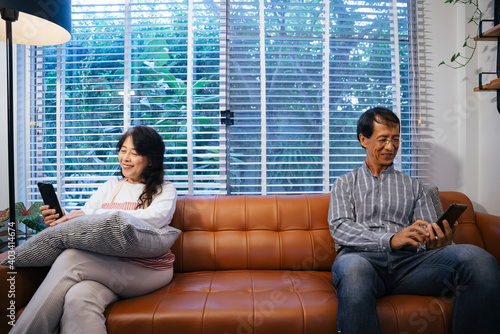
[
  {"x": 253, "y": 232},
  {"x": 241, "y": 301}
]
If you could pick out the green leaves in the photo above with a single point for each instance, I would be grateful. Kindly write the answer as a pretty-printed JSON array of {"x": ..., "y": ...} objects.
[
  {"x": 36, "y": 224},
  {"x": 460, "y": 60},
  {"x": 31, "y": 217},
  {"x": 28, "y": 214},
  {"x": 455, "y": 57}
]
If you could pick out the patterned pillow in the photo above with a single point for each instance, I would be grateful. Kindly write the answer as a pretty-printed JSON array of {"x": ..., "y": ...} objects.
[
  {"x": 117, "y": 234},
  {"x": 436, "y": 201}
]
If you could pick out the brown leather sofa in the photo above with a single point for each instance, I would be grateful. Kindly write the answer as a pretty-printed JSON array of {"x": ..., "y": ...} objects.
[{"x": 261, "y": 264}]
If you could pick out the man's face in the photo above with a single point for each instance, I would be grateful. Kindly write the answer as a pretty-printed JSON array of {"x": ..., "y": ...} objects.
[{"x": 382, "y": 146}]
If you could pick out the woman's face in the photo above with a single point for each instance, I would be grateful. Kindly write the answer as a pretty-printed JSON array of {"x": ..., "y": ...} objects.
[{"x": 131, "y": 162}]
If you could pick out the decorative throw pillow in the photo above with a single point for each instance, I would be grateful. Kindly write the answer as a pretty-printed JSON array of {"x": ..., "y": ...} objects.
[
  {"x": 117, "y": 234},
  {"x": 436, "y": 201}
]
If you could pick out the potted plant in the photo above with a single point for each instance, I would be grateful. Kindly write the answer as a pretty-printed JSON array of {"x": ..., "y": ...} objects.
[{"x": 31, "y": 218}]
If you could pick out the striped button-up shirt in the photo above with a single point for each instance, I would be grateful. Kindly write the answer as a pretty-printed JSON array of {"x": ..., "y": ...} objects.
[{"x": 366, "y": 211}]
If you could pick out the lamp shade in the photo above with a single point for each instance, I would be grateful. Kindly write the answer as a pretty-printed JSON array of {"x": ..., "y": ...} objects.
[{"x": 40, "y": 22}]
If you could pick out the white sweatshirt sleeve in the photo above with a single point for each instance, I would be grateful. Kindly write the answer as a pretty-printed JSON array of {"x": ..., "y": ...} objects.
[{"x": 161, "y": 210}]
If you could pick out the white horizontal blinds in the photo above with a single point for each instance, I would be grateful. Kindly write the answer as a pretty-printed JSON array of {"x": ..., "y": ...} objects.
[
  {"x": 283, "y": 145},
  {"x": 129, "y": 63},
  {"x": 209, "y": 160},
  {"x": 277, "y": 141},
  {"x": 245, "y": 149},
  {"x": 43, "y": 151},
  {"x": 294, "y": 85},
  {"x": 294, "y": 74},
  {"x": 175, "y": 87},
  {"x": 414, "y": 151},
  {"x": 362, "y": 76},
  {"x": 159, "y": 33},
  {"x": 94, "y": 96},
  {"x": 87, "y": 96}
]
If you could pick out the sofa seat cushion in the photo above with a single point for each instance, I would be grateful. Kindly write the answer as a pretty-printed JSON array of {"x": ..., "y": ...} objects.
[{"x": 261, "y": 301}]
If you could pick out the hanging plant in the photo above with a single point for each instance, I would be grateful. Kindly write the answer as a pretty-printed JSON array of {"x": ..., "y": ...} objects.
[{"x": 459, "y": 59}]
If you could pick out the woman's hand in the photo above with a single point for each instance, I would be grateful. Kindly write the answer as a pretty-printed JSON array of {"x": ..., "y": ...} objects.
[
  {"x": 71, "y": 215},
  {"x": 49, "y": 215},
  {"x": 51, "y": 218}
]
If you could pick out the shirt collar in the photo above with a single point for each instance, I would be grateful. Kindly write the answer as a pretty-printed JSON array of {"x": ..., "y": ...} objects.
[{"x": 387, "y": 171}]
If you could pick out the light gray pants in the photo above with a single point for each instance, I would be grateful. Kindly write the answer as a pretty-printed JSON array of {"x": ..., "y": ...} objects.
[{"x": 77, "y": 289}]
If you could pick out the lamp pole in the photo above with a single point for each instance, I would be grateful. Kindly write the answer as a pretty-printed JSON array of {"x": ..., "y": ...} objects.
[{"x": 10, "y": 16}]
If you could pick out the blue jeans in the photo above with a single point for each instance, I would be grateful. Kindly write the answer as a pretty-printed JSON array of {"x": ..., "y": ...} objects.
[{"x": 468, "y": 272}]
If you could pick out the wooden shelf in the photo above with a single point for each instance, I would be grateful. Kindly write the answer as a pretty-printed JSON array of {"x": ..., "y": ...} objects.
[
  {"x": 492, "y": 85},
  {"x": 491, "y": 34}
]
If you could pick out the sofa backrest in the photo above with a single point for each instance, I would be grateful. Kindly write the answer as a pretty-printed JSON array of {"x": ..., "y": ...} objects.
[
  {"x": 253, "y": 232},
  {"x": 271, "y": 232},
  {"x": 467, "y": 231}
]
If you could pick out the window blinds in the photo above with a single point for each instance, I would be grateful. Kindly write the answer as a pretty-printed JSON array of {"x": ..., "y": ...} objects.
[
  {"x": 301, "y": 78},
  {"x": 295, "y": 75},
  {"x": 129, "y": 62}
]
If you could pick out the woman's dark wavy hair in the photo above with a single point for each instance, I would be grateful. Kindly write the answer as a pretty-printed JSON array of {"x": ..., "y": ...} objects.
[
  {"x": 365, "y": 121},
  {"x": 147, "y": 143}
]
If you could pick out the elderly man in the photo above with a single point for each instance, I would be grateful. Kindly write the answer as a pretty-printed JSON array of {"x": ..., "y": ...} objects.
[{"x": 382, "y": 222}]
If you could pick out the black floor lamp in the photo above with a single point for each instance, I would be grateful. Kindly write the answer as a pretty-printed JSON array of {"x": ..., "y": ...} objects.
[{"x": 28, "y": 22}]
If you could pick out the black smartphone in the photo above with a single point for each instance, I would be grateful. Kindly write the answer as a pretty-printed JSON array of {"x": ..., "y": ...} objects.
[
  {"x": 451, "y": 214},
  {"x": 49, "y": 197}
]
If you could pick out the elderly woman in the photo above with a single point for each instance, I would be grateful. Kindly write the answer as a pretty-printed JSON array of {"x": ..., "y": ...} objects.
[{"x": 80, "y": 284}]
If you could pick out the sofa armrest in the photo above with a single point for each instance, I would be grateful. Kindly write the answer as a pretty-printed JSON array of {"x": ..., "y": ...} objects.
[
  {"x": 16, "y": 289},
  {"x": 489, "y": 225}
]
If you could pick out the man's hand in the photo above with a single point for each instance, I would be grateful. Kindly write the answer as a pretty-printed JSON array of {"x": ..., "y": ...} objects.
[
  {"x": 422, "y": 232},
  {"x": 413, "y": 235},
  {"x": 439, "y": 238}
]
